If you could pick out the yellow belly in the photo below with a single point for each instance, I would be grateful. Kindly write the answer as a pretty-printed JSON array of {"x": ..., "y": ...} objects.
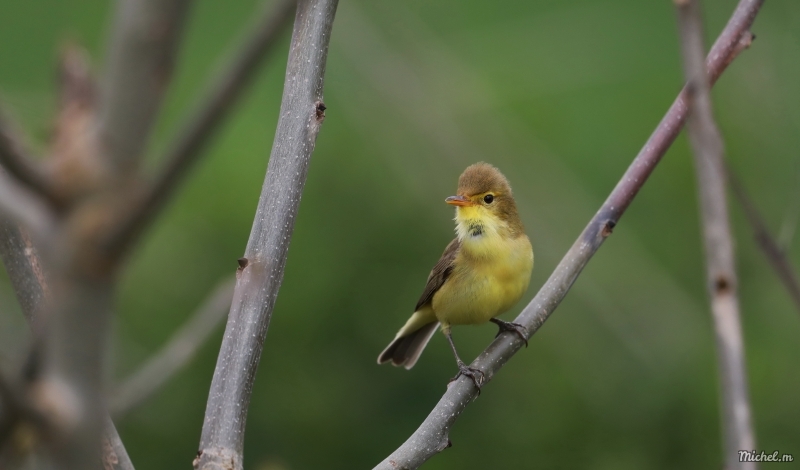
[{"x": 489, "y": 277}]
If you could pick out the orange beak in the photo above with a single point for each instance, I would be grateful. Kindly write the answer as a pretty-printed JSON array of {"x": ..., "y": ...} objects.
[{"x": 460, "y": 201}]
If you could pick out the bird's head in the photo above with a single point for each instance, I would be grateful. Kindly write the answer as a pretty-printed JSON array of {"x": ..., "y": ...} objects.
[{"x": 484, "y": 202}]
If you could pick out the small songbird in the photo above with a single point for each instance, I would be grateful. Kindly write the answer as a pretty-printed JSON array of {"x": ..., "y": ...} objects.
[{"x": 481, "y": 274}]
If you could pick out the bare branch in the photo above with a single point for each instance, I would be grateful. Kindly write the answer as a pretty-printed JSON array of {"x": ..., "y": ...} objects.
[
  {"x": 708, "y": 150},
  {"x": 144, "y": 39},
  {"x": 24, "y": 269},
  {"x": 772, "y": 251},
  {"x": 29, "y": 281},
  {"x": 261, "y": 270},
  {"x": 432, "y": 435},
  {"x": 176, "y": 353},
  {"x": 20, "y": 204},
  {"x": 18, "y": 163},
  {"x": 202, "y": 123}
]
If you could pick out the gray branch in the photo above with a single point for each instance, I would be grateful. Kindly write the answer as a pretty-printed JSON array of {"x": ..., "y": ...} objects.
[
  {"x": 29, "y": 280},
  {"x": 432, "y": 435},
  {"x": 144, "y": 40},
  {"x": 261, "y": 269},
  {"x": 176, "y": 353},
  {"x": 200, "y": 127},
  {"x": 21, "y": 205},
  {"x": 708, "y": 150},
  {"x": 18, "y": 163}
]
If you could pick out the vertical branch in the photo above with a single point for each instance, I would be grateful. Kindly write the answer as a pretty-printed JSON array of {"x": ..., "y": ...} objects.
[
  {"x": 707, "y": 146},
  {"x": 24, "y": 269},
  {"x": 144, "y": 39},
  {"x": 261, "y": 269}
]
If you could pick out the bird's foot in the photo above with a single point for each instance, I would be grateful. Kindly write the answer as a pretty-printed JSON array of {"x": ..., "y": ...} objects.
[
  {"x": 475, "y": 374},
  {"x": 513, "y": 327}
]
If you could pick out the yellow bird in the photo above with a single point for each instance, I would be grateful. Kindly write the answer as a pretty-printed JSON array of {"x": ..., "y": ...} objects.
[{"x": 481, "y": 274}]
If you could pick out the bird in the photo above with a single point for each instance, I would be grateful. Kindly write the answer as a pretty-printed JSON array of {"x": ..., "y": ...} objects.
[{"x": 482, "y": 273}]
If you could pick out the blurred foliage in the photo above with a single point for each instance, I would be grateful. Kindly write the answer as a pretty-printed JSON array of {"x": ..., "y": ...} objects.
[{"x": 560, "y": 95}]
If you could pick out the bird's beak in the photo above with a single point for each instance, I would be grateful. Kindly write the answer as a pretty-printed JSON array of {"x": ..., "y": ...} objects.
[{"x": 461, "y": 201}]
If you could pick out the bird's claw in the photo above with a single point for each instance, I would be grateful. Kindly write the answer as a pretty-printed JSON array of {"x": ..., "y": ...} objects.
[
  {"x": 512, "y": 327},
  {"x": 472, "y": 373}
]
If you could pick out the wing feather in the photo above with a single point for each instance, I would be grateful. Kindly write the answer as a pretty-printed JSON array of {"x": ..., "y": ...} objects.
[{"x": 439, "y": 274}]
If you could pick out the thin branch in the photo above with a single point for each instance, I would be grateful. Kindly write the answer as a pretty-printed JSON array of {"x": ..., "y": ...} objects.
[
  {"x": 176, "y": 353},
  {"x": 432, "y": 435},
  {"x": 25, "y": 271},
  {"x": 18, "y": 163},
  {"x": 708, "y": 149},
  {"x": 772, "y": 251},
  {"x": 201, "y": 125},
  {"x": 144, "y": 40},
  {"x": 261, "y": 270}
]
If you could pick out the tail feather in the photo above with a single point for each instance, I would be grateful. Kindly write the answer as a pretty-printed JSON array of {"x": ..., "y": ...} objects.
[{"x": 405, "y": 350}]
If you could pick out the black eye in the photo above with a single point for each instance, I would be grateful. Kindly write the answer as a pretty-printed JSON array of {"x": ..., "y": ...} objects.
[{"x": 488, "y": 199}]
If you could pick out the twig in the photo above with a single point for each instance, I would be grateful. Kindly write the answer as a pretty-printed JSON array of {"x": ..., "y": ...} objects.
[
  {"x": 261, "y": 270},
  {"x": 772, "y": 251},
  {"x": 144, "y": 39},
  {"x": 708, "y": 150},
  {"x": 176, "y": 353},
  {"x": 432, "y": 435},
  {"x": 199, "y": 128},
  {"x": 18, "y": 164}
]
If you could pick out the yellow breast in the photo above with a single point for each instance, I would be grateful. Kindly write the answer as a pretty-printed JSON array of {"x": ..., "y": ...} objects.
[{"x": 491, "y": 272}]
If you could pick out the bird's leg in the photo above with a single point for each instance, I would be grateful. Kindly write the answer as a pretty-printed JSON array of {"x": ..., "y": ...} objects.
[
  {"x": 509, "y": 326},
  {"x": 464, "y": 369}
]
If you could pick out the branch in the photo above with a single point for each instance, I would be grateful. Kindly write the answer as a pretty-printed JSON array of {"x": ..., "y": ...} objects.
[
  {"x": 25, "y": 271},
  {"x": 261, "y": 270},
  {"x": 432, "y": 435},
  {"x": 772, "y": 251},
  {"x": 20, "y": 204},
  {"x": 708, "y": 150},
  {"x": 199, "y": 128},
  {"x": 29, "y": 281},
  {"x": 144, "y": 40},
  {"x": 18, "y": 164},
  {"x": 176, "y": 353}
]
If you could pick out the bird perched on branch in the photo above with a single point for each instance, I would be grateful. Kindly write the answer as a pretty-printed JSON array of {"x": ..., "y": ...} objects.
[{"x": 481, "y": 274}]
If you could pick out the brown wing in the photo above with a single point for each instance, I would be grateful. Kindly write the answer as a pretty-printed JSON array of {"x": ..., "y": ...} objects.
[{"x": 439, "y": 273}]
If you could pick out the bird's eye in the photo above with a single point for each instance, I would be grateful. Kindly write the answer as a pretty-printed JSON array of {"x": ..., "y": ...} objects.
[{"x": 488, "y": 199}]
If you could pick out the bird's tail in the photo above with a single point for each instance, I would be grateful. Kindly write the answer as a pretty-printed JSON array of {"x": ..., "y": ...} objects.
[{"x": 410, "y": 341}]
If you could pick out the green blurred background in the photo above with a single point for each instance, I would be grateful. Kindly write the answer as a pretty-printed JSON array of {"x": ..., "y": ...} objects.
[{"x": 560, "y": 95}]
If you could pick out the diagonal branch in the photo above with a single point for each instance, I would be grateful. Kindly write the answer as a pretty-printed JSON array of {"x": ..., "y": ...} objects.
[
  {"x": 432, "y": 435},
  {"x": 772, "y": 251},
  {"x": 223, "y": 93},
  {"x": 144, "y": 40},
  {"x": 261, "y": 270},
  {"x": 708, "y": 150},
  {"x": 176, "y": 353},
  {"x": 29, "y": 281},
  {"x": 18, "y": 164}
]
